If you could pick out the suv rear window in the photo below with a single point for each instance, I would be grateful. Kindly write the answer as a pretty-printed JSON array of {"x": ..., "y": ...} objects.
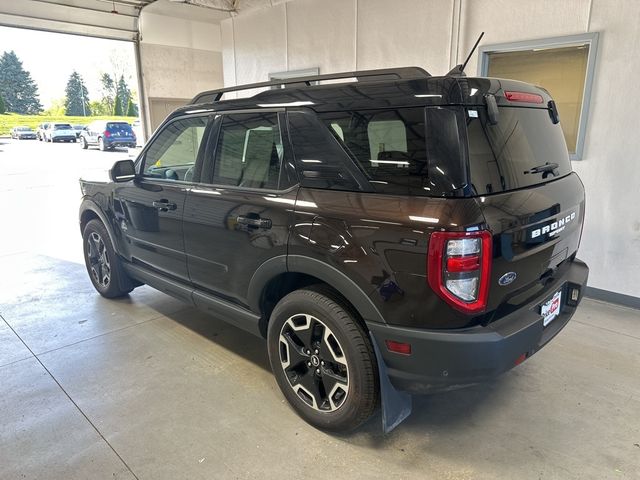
[
  {"x": 119, "y": 127},
  {"x": 62, "y": 126},
  {"x": 502, "y": 155}
]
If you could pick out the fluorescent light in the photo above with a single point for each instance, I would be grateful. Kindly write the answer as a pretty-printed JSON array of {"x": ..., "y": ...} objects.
[
  {"x": 473, "y": 92},
  {"x": 391, "y": 162},
  {"x": 440, "y": 170},
  {"x": 291, "y": 201},
  {"x": 311, "y": 161},
  {"x": 428, "y": 95},
  {"x": 206, "y": 192},
  {"x": 288, "y": 104},
  {"x": 424, "y": 219}
]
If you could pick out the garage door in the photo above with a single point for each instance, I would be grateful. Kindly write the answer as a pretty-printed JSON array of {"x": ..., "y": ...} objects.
[{"x": 116, "y": 20}]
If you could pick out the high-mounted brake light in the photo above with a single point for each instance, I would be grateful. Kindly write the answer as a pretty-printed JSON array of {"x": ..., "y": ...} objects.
[
  {"x": 523, "y": 97},
  {"x": 458, "y": 268}
]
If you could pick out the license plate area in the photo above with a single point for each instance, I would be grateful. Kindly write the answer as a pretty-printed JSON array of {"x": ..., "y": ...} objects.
[{"x": 551, "y": 308}]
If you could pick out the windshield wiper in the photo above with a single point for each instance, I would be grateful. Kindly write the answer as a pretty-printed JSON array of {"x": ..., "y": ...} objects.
[{"x": 546, "y": 168}]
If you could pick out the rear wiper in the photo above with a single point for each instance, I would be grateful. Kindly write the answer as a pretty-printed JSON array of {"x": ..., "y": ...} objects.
[{"x": 546, "y": 168}]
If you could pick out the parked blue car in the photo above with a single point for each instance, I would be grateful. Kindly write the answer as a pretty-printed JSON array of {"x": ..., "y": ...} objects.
[{"x": 107, "y": 135}]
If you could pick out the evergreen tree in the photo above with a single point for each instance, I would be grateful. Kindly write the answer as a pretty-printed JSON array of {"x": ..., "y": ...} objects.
[
  {"x": 132, "y": 109},
  {"x": 77, "y": 103},
  {"x": 117, "y": 110},
  {"x": 18, "y": 89},
  {"x": 3, "y": 109},
  {"x": 108, "y": 92},
  {"x": 123, "y": 94}
]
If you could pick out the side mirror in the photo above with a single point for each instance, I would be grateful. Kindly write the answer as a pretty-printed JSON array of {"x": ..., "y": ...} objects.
[{"x": 122, "y": 171}]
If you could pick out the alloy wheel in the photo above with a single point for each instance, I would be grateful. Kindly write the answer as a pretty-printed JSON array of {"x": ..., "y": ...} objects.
[
  {"x": 314, "y": 362},
  {"x": 99, "y": 264}
]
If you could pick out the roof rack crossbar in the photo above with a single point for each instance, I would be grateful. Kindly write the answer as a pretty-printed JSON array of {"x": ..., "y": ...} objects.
[{"x": 363, "y": 75}]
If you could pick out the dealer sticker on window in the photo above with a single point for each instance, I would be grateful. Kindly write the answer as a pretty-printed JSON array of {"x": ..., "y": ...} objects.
[{"x": 550, "y": 310}]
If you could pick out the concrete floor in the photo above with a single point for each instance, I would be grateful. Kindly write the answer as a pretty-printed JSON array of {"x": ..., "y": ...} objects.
[{"x": 145, "y": 388}]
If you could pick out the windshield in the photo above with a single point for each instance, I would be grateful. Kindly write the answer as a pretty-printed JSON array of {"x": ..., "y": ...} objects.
[
  {"x": 514, "y": 153},
  {"x": 62, "y": 126}
]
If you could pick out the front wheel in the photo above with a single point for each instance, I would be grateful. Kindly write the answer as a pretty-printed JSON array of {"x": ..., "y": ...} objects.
[
  {"x": 83, "y": 143},
  {"x": 323, "y": 360},
  {"x": 101, "y": 145},
  {"x": 103, "y": 265}
]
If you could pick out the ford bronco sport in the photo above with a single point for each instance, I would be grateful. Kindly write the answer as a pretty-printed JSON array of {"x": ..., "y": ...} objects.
[{"x": 400, "y": 231}]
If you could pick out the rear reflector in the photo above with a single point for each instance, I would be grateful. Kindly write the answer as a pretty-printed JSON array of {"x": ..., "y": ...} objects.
[
  {"x": 398, "y": 347},
  {"x": 520, "y": 359},
  {"x": 523, "y": 97}
]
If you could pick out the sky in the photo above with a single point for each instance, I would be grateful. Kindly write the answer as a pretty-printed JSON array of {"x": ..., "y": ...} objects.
[{"x": 52, "y": 57}]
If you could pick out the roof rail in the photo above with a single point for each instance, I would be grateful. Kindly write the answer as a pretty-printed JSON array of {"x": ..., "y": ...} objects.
[{"x": 363, "y": 75}]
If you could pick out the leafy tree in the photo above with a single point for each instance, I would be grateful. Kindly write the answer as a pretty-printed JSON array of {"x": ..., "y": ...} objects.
[
  {"x": 118, "y": 110},
  {"x": 132, "y": 109},
  {"x": 18, "y": 89},
  {"x": 3, "y": 109},
  {"x": 57, "y": 107},
  {"x": 108, "y": 92},
  {"x": 77, "y": 103},
  {"x": 100, "y": 108},
  {"x": 123, "y": 94}
]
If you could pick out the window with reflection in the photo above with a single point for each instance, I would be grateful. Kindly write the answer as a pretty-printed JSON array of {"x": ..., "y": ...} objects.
[
  {"x": 172, "y": 154},
  {"x": 249, "y": 151}
]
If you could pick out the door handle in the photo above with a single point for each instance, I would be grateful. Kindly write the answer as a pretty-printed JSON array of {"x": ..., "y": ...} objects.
[
  {"x": 254, "y": 222},
  {"x": 164, "y": 205}
]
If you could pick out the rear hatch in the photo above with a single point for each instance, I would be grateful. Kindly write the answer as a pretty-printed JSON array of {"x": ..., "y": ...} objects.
[
  {"x": 521, "y": 176},
  {"x": 120, "y": 130},
  {"x": 63, "y": 129}
]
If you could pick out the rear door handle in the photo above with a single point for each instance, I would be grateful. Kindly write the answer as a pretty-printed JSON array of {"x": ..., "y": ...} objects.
[
  {"x": 164, "y": 205},
  {"x": 254, "y": 222}
]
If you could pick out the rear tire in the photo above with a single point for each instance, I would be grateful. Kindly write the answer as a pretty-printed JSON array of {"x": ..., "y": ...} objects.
[
  {"x": 323, "y": 360},
  {"x": 83, "y": 143},
  {"x": 103, "y": 264}
]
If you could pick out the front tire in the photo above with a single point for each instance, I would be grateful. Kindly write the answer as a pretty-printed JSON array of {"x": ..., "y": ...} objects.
[
  {"x": 103, "y": 265},
  {"x": 101, "y": 145},
  {"x": 83, "y": 143},
  {"x": 323, "y": 360}
]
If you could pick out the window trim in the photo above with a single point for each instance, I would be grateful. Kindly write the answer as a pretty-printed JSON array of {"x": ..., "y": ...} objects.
[{"x": 590, "y": 39}]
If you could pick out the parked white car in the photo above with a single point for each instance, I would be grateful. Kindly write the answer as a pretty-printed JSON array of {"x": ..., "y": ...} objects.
[{"x": 60, "y": 132}]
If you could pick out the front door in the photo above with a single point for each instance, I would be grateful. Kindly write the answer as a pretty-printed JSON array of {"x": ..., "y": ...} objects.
[
  {"x": 238, "y": 216},
  {"x": 149, "y": 209}
]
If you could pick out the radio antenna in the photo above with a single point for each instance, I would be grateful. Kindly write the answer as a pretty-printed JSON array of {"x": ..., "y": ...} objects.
[{"x": 458, "y": 70}]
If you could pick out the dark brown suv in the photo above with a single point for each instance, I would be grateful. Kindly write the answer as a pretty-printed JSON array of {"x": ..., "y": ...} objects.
[{"x": 400, "y": 232}]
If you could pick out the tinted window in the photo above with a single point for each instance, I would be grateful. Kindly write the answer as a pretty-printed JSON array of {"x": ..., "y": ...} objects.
[
  {"x": 249, "y": 151},
  {"x": 173, "y": 153},
  {"x": 119, "y": 127},
  {"x": 501, "y": 156},
  {"x": 62, "y": 126},
  {"x": 320, "y": 158}
]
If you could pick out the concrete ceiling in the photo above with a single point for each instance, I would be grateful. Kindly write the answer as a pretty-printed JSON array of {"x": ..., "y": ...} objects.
[{"x": 210, "y": 11}]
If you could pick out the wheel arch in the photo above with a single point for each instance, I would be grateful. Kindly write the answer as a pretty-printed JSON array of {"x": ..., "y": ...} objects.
[
  {"x": 89, "y": 210},
  {"x": 283, "y": 274}
]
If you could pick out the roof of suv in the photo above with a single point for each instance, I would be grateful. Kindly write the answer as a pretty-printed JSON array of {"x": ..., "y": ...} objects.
[{"x": 374, "y": 89}]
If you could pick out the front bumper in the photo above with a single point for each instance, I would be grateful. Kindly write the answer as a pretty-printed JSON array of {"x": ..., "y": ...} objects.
[{"x": 449, "y": 359}]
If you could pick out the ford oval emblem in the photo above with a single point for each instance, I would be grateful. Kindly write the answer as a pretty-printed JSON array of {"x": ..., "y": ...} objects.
[{"x": 507, "y": 278}]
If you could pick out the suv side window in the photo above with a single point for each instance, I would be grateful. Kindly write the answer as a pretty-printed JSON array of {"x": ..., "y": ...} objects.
[
  {"x": 173, "y": 152},
  {"x": 249, "y": 151}
]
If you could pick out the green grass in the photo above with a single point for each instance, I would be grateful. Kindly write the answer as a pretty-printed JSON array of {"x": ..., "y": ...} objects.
[{"x": 10, "y": 120}]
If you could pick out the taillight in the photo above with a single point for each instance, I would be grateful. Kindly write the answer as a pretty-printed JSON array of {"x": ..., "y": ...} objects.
[
  {"x": 458, "y": 268},
  {"x": 523, "y": 97},
  {"x": 106, "y": 133}
]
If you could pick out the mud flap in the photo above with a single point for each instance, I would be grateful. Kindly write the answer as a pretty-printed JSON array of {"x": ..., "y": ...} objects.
[{"x": 396, "y": 405}]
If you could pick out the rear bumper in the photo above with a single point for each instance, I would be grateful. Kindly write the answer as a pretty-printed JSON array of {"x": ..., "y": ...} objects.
[
  {"x": 128, "y": 142},
  {"x": 445, "y": 360}
]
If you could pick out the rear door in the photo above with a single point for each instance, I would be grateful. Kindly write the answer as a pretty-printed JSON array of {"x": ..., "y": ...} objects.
[
  {"x": 521, "y": 176},
  {"x": 237, "y": 217},
  {"x": 149, "y": 209}
]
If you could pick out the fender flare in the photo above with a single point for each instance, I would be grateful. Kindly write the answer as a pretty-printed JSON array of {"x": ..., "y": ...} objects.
[
  {"x": 316, "y": 268},
  {"x": 88, "y": 204}
]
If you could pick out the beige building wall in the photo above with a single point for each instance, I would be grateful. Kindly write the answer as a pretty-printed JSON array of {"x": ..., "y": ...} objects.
[{"x": 338, "y": 35}]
